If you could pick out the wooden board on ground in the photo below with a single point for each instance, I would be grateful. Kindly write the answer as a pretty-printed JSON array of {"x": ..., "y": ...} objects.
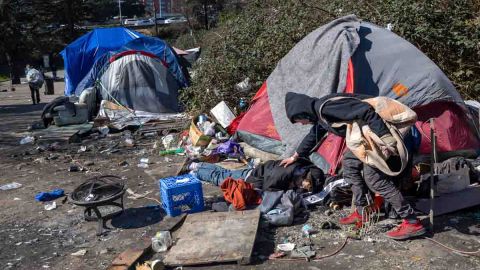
[
  {"x": 61, "y": 134},
  {"x": 169, "y": 223},
  {"x": 215, "y": 237},
  {"x": 127, "y": 259},
  {"x": 451, "y": 202}
]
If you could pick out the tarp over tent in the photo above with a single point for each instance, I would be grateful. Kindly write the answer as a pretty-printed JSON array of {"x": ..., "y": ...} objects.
[
  {"x": 351, "y": 56},
  {"x": 151, "y": 45},
  {"x": 80, "y": 55}
]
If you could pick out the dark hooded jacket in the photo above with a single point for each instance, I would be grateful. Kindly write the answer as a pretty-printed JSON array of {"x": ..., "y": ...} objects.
[
  {"x": 300, "y": 106},
  {"x": 271, "y": 176}
]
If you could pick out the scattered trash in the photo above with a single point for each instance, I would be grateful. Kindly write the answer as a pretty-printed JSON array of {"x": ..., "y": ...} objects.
[
  {"x": 82, "y": 149},
  {"x": 48, "y": 196},
  {"x": 167, "y": 141},
  {"x": 79, "y": 253},
  {"x": 303, "y": 252},
  {"x": 172, "y": 152},
  {"x": 13, "y": 185},
  {"x": 123, "y": 163},
  {"x": 287, "y": 247},
  {"x": 143, "y": 266},
  {"x": 276, "y": 255},
  {"x": 360, "y": 256},
  {"x": 104, "y": 130},
  {"x": 157, "y": 265},
  {"x": 167, "y": 159},
  {"x": 307, "y": 230},
  {"x": 143, "y": 163},
  {"x": 328, "y": 225},
  {"x": 26, "y": 140},
  {"x": 243, "y": 86},
  {"x": 223, "y": 114},
  {"x": 150, "y": 134},
  {"x": 73, "y": 168},
  {"x": 50, "y": 205},
  {"x": 129, "y": 142},
  {"x": 162, "y": 241}
]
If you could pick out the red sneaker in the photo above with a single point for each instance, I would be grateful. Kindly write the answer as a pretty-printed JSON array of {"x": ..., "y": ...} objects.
[
  {"x": 406, "y": 230},
  {"x": 353, "y": 218}
]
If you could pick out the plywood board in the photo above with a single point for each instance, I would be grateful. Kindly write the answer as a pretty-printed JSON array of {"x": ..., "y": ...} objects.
[
  {"x": 451, "y": 202},
  {"x": 215, "y": 237}
]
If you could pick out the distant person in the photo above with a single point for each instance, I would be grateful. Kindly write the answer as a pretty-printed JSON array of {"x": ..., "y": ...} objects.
[{"x": 35, "y": 82}]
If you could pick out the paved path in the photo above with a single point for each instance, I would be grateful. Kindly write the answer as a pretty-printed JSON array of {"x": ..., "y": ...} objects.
[{"x": 17, "y": 112}]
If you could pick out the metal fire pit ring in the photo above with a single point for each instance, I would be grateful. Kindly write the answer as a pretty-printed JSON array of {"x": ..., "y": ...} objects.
[{"x": 106, "y": 190}]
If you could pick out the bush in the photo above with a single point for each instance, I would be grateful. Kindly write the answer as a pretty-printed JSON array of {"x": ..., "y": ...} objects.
[{"x": 250, "y": 43}]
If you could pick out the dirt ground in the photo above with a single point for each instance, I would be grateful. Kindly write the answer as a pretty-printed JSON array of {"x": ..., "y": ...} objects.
[{"x": 34, "y": 238}]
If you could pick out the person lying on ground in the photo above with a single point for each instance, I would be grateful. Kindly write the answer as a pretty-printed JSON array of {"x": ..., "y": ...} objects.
[
  {"x": 325, "y": 114},
  {"x": 267, "y": 176}
]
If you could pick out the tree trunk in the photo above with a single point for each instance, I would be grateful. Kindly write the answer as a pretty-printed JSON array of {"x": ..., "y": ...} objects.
[
  {"x": 205, "y": 12},
  {"x": 69, "y": 11},
  {"x": 14, "y": 77}
]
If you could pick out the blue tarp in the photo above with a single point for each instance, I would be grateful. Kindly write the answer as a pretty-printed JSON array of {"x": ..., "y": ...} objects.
[
  {"x": 80, "y": 55},
  {"x": 151, "y": 45}
]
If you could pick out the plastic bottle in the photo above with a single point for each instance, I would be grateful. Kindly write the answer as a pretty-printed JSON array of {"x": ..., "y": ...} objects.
[
  {"x": 162, "y": 241},
  {"x": 172, "y": 152}
]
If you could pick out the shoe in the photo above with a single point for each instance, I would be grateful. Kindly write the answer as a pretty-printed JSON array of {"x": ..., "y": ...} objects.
[
  {"x": 353, "y": 218},
  {"x": 406, "y": 230}
]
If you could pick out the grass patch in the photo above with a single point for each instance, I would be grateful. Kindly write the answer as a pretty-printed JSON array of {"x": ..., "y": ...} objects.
[{"x": 4, "y": 77}]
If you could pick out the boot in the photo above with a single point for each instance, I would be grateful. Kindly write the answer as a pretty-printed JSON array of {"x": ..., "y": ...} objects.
[
  {"x": 353, "y": 218},
  {"x": 406, "y": 230}
]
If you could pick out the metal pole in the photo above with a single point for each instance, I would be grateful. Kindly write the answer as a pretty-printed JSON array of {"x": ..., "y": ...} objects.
[
  {"x": 433, "y": 172},
  {"x": 120, "y": 12}
]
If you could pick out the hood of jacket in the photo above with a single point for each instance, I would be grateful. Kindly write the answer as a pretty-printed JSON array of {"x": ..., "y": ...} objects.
[{"x": 301, "y": 106}]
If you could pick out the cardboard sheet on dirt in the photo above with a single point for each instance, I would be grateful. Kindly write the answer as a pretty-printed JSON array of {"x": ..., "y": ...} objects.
[
  {"x": 215, "y": 237},
  {"x": 451, "y": 202}
]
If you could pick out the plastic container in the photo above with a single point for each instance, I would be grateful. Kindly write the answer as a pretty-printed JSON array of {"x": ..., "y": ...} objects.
[
  {"x": 162, "y": 241},
  {"x": 181, "y": 194}
]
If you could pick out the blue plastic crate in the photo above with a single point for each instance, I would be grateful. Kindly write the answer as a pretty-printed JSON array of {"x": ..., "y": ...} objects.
[{"x": 181, "y": 194}]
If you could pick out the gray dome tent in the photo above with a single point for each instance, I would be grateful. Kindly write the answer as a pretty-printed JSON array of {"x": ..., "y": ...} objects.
[{"x": 140, "y": 81}]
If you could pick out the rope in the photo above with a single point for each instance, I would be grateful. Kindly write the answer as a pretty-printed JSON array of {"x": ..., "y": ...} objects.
[{"x": 469, "y": 253}]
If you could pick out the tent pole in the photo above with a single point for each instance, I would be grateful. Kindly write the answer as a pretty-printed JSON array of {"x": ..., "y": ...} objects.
[{"x": 433, "y": 162}]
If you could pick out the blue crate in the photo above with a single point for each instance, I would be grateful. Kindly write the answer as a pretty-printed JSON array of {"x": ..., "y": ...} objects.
[{"x": 181, "y": 197}]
